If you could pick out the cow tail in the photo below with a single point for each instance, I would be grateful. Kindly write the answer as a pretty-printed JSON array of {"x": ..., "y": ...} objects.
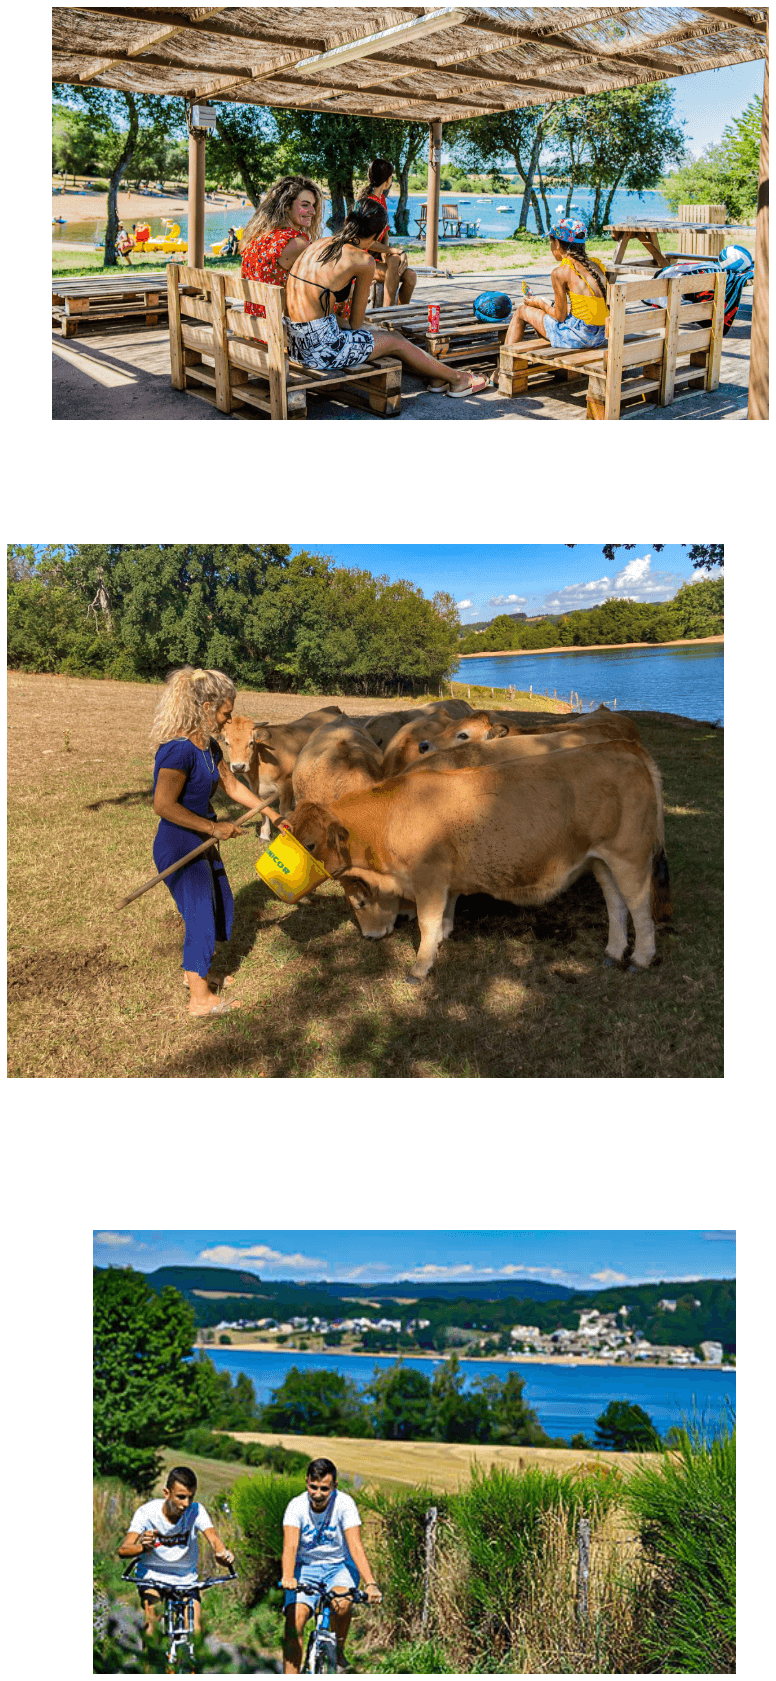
[{"x": 662, "y": 908}]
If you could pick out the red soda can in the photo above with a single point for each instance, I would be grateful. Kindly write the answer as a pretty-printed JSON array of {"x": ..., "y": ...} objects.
[{"x": 433, "y": 318}]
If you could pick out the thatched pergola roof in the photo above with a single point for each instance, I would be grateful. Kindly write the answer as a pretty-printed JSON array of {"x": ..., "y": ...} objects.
[
  {"x": 431, "y": 65},
  {"x": 411, "y": 63}
]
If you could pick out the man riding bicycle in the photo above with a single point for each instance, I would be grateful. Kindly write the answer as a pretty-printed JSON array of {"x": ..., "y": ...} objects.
[
  {"x": 174, "y": 1565},
  {"x": 321, "y": 1543}
]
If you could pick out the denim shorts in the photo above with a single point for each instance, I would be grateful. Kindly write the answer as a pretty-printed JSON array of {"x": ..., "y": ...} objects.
[
  {"x": 573, "y": 334},
  {"x": 337, "y": 1575},
  {"x": 323, "y": 344}
]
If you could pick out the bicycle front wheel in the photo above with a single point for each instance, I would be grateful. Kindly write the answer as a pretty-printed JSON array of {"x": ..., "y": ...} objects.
[{"x": 322, "y": 1656}]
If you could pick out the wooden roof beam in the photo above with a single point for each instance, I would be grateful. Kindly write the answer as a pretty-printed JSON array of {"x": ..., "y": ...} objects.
[
  {"x": 98, "y": 66},
  {"x": 736, "y": 19},
  {"x": 360, "y": 45}
]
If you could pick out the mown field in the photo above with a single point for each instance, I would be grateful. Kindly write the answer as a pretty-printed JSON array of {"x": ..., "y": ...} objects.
[
  {"x": 94, "y": 992},
  {"x": 443, "y": 1466}
]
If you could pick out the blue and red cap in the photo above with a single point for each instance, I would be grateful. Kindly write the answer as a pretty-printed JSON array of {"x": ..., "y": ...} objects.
[{"x": 570, "y": 229}]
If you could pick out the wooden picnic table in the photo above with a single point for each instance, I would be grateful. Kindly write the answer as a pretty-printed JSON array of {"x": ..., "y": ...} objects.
[{"x": 647, "y": 234}]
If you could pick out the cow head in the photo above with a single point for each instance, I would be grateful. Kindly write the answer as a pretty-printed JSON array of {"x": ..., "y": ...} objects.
[
  {"x": 323, "y": 836},
  {"x": 237, "y": 739},
  {"x": 375, "y": 902}
]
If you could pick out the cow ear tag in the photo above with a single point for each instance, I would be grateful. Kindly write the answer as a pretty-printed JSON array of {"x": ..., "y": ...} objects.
[{"x": 289, "y": 869}]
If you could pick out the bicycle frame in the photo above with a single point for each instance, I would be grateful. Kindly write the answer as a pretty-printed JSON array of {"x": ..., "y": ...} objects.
[
  {"x": 321, "y": 1653},
  {"x": 178, "y": 1609}
]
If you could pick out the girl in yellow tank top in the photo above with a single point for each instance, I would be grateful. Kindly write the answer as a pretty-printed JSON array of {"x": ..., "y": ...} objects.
[{"x": 575, "y": 319}]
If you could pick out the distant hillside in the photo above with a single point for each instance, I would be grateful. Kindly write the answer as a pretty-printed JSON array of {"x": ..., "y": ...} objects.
[{"x": 225, "y": 1281}]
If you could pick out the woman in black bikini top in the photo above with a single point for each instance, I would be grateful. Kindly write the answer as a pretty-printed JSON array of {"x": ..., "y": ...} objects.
[
  {"x": 326, "y": 271},
  {"x": 326, "y": 291}
]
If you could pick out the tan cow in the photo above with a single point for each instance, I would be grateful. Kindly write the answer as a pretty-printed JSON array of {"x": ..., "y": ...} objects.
[
  {"x": 267, "y": 772},
  {"x": 415, "y": 742},
  {"x": 517, "y": 831},
  {"x": 385, "y": 726},
  {"x": 487, "y": 725},
  {"x": 338, "y": 759},
  {"x": 415, "y": 738}
]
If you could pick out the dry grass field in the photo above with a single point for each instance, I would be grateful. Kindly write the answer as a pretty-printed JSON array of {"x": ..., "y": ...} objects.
[
  {"x": 443, "y": 1466},
  {"x": 95, "y": 992}
]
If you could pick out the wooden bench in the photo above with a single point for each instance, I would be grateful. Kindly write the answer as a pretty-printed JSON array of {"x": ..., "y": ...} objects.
[
  {"x": 107, "y": 300},
  {"x": 640, "y": 361},
  {"x": 243, "y": 360},
  {"x": 461, "y": 336}
]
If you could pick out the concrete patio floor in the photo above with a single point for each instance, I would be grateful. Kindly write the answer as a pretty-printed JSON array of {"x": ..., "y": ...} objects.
[{"x": 125, "y": 375}]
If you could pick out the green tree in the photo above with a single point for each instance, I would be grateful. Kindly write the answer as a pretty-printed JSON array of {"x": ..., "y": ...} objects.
[
  {"x": 334, "y": 149},
  {"x": 316, "y": 1404},
  {"x": 625, "y": 1427},
  {"x": 483, "y": 141},
  {"x": 630, "y": 138},
  {"x": 115, "y": 120},
  {"x": 401, "y": 1410},
  {"x": 511, "y": 1420},
  {"x": 245, "y": 145},
  {"x": 143, "y": 1378},
  {"x": 726, "y": 173},
  {"x": 458, "y": 1415}
]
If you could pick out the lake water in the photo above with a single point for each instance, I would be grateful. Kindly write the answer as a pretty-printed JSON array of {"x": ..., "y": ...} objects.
[
  {"x": 687, "y": 680},
  {"x": 567, "y": 1399},
  {"x": 498, "y": 217}
]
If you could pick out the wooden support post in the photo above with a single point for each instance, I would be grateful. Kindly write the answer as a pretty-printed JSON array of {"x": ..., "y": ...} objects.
[
  {"x": 758, "y": 372},
  {"x": 583, "y": 1568},
  {"x": 177, "y": 364},
  {"x": 221, "y": 359},
  {"x": 432, "y": 211},
  {"x": 717, "y": 327},
  {"x": 195, "y": 256},
  {"x": 431, "y": 1527}
]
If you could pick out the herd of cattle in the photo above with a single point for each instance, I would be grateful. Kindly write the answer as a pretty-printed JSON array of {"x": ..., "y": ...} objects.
[{"x": 408, "y": 810}]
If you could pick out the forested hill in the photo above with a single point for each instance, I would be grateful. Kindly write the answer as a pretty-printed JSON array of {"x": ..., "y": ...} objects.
[
  {"x": 702, "y": 1310},
  {"x": 697, "y": 610}
]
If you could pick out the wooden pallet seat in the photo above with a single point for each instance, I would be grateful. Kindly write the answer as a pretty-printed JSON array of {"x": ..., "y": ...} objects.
[
  {"x": 645, "y": 346},
  {"x": 462, "y": 337},
  {"x": 107, "y": 300},
  {"x": 243, "y": 360}
]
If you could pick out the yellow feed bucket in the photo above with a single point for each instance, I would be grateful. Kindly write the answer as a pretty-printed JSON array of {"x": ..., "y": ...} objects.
[{"x": 289, "y": 869}]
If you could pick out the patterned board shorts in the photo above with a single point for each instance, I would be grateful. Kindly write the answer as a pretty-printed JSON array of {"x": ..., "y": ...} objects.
[
  {"x": 323, "y": 344},
  {"x": 573, "y": 334}
]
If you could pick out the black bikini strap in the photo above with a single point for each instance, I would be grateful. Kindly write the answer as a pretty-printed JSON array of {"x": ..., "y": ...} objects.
[{"x": 325, "y": 291}]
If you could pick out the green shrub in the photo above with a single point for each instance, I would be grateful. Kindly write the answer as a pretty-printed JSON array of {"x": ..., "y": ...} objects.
[
  {"x": 399, "y": 1555},
  {"x": 258, "y": 1504}
]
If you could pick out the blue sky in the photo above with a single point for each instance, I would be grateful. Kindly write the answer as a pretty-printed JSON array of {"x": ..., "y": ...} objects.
[
  {"x": 491, "y": 578},
  {"x": 581, "y": 1260},
  {"x": 709, "y": 100}
]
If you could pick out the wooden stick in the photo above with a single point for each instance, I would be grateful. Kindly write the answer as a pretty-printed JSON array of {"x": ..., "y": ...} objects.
[{"x": 212, "y": 840}]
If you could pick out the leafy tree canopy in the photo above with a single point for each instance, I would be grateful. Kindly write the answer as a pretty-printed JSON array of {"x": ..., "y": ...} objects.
[
  {"x": 625, "y": 1427},
  {"x": 724, "y": 174},
  {"x": 143, "y": 1379}
]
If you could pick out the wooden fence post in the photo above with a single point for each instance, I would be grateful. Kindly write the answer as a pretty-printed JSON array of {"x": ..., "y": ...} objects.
[
  {"x": 583, "y": 1570},
  {"x": 430, "y": 1543}
]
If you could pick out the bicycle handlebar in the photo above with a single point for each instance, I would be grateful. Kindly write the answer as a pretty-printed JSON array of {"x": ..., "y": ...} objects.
[
  {"x": 356, "y": 1594},
  {"x": 170, "y": 1588}
]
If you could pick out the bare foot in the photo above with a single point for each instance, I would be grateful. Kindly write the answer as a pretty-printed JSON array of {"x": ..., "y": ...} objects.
[{"x": 216, "y": 1007}]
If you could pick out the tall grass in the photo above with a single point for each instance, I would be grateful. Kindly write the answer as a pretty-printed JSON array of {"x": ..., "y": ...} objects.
[
  {"x": 685, "y": 1512},
  {"x": 258, "y": 1504},
  {"x": 504, "y": 1589}
]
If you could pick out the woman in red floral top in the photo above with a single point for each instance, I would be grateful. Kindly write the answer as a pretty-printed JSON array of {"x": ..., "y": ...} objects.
[{"x": 288, "y": 217}]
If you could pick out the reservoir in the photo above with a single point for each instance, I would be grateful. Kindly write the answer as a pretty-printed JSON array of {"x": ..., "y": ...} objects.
[
  {"x": 566, "y": 1399},
  {"x": 688, "y": 680}
]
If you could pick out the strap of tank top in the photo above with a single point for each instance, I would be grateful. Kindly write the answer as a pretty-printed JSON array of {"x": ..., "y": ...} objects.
[{"x": 568, "y": 262}]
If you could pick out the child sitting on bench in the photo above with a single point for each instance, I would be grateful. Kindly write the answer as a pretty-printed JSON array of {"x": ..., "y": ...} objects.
[{"x": 576, "y": 318}]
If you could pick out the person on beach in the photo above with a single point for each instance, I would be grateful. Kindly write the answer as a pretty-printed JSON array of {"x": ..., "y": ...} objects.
[
  {"x": 194, "y": 708},
  {"x": 325, "y": 273},
  {"x": 576, "y": 318},
  {"x": 321, "y": 1543},
  {"x": 391, "y": 266},
  {"x": 124, "y": 244}
]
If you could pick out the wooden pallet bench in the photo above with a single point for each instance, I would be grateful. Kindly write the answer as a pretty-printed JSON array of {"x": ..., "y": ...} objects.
[
  {"x": 461, "y": 336},
  {"x": 640, "y": 361},
  {"x": 104, "y": 301},
  {"x": 242, "y": 360}
]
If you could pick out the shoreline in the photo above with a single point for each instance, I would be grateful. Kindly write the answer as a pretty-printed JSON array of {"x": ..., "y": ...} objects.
[
  {"x": 495, "y": 1359},
  {"x": 592, "y": 648}
]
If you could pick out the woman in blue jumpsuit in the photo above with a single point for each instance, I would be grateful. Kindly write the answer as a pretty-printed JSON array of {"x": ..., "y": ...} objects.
[{"x": 188, "y": 768}]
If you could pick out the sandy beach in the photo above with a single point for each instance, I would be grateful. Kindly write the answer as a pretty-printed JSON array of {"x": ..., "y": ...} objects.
[
  {"x": 593, "y": 648},
  {"x": 86, "y": 206}
]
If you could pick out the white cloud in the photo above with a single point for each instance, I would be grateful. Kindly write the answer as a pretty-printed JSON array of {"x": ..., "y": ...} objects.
[
  {"x": 507, "y": 600},
  {"x": 466, "y": 1270},
  {"x": 463, "y": 604},
  {"x": 226, "y": 1255},
  {"x": 634, "y": 582},
  {"x": 609, "y": 1276},
  {"x": 115, "y": 1240}
]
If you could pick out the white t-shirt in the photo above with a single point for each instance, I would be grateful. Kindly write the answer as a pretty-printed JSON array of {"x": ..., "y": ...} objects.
[
  {"x": 174, "y": 1565},
  {"x": 322, "y": 1534}
]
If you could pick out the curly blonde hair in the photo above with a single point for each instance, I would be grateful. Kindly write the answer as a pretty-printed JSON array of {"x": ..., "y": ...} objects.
[
  {"x": 274, "y": 211},
  {"x": 189, "y": 701}
]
